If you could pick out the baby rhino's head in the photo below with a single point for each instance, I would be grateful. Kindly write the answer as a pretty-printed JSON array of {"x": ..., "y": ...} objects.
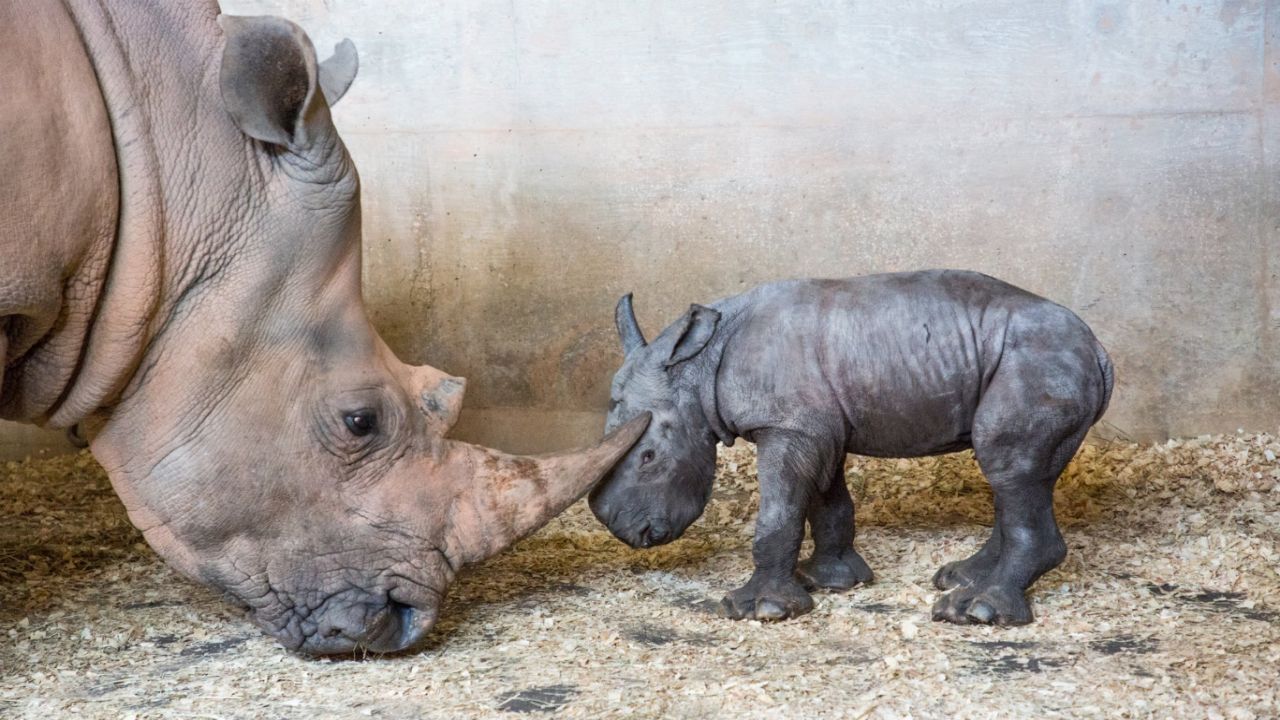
[{"x": 662, "y": 485}]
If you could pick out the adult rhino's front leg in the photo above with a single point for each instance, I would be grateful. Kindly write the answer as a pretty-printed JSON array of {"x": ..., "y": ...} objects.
[{"x": 792, "y": 467}]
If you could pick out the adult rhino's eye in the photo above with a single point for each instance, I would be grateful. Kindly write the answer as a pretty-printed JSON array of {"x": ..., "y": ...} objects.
[
  {"x": 646, "y": 457},
  {"x": 361, "y": 422}
]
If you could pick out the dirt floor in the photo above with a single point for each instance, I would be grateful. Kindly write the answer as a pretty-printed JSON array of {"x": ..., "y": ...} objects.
[{"x": 1167, "y": 606}]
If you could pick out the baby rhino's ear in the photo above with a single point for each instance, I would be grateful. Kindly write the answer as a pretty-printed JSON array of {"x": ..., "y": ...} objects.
[{"x": 696, "y": 328}]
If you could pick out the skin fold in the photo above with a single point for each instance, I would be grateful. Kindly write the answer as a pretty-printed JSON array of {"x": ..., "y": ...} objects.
[
  {"x": 181, "y": 277},
  {"x": 898, "y": 365}
]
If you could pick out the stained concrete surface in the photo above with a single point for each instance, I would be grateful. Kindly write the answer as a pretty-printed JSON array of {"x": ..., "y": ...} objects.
[{"x": 526, "y": 163}]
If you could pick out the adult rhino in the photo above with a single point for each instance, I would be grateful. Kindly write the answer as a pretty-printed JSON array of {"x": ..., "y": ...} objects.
[{"x": 180, "y": 272}]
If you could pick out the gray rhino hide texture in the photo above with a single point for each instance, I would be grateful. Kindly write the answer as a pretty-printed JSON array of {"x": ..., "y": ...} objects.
[{"x": 892, "y": 365}]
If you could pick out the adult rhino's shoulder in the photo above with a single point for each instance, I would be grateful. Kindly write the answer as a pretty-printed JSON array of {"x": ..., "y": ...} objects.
[{"x": 60, "y": 203}]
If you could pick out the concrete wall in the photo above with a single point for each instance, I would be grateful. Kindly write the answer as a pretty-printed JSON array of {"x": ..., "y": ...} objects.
[{"x": 524, "y": 163}]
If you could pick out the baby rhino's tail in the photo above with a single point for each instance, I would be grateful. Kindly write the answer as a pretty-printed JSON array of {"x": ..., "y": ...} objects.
[{"x": 1108, "y": 377}]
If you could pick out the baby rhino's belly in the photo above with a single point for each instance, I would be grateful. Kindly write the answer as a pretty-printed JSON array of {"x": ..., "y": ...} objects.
[{"x": 905, "y": 422}]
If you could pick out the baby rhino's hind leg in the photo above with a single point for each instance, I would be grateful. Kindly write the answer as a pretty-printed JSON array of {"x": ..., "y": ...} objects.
[
  {"x": 834, "y": 564},
  {"x": 1026, "y": 429}
]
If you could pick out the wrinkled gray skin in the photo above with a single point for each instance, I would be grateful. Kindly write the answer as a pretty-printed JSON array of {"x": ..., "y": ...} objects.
[{"x": 895, "y": 365}]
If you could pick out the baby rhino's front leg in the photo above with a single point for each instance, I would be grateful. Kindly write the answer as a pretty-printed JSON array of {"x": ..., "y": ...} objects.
[
  {"x": 790, "y": 468},
  {"x": 834, "y": 565}
]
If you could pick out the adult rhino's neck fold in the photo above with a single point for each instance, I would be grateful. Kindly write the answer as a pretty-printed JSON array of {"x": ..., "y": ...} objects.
[
  {"x": 58, "y": 205},
  {"x": 128, "y": 313}
]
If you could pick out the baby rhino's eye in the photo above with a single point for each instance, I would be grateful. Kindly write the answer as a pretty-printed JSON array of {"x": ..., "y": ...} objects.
[
  {"x": 613, "y": 404},
  {"x": 646, "y": 457},
  {"x": 360, "y": 422}
]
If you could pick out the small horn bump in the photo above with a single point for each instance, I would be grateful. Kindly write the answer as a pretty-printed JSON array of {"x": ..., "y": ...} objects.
[{"x": 624, "y": 317}]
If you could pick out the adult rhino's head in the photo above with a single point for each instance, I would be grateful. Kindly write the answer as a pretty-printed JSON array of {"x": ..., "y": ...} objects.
[{"x": 271, "y": 445}]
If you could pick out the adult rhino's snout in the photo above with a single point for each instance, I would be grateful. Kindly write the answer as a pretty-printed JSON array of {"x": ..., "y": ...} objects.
[
  {"x": 451, "y": 506},
  {"x": 391, "y": 628}
]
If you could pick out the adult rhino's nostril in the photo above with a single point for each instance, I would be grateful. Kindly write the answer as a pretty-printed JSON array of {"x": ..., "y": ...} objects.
[
  {"x": 399, "y": 627},
  {"x": 412, "y": 626}
]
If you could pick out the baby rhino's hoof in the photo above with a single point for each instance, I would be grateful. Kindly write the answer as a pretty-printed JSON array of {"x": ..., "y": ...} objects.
[
  {"x": 766, "y": 602},
  {"x": 983, "y": 606},
  {"x": 834, "y": 572},
  {"x": 961, "y": 573}
]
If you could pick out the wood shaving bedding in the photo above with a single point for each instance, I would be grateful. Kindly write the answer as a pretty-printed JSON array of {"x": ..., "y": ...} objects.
[{"x": 1168, "y": 605}]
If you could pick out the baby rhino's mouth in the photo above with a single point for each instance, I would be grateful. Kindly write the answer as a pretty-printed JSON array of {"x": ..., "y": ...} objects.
[
  {"x": 651, "y": 534},
  {"x": 645, "y": 532}
]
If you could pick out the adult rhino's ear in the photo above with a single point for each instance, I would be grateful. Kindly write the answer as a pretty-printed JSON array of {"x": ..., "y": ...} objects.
[
  {"x": 272, "y": 86},
  {"x": 696, "y": 328}
]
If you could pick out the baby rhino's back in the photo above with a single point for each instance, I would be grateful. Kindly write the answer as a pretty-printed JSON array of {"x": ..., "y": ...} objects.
[{"x": 897, "y": 362}]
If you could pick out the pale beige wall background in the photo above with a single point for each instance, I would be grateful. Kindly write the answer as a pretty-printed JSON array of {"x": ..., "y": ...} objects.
[{"x": 524, "y": 163}]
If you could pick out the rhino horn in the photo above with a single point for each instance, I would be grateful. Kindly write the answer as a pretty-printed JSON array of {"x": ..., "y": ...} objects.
[
  {"x": 509, "y": 497},
  {"x": 624, "y": 317}
]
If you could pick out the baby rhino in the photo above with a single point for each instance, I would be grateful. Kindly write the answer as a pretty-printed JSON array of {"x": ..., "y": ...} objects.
[{"x": 896, "y": 365}]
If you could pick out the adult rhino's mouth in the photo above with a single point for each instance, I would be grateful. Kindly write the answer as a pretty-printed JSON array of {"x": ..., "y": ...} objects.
[
  {"x": 354, "y": 622},
  {"x": 395, "y": 627}
]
